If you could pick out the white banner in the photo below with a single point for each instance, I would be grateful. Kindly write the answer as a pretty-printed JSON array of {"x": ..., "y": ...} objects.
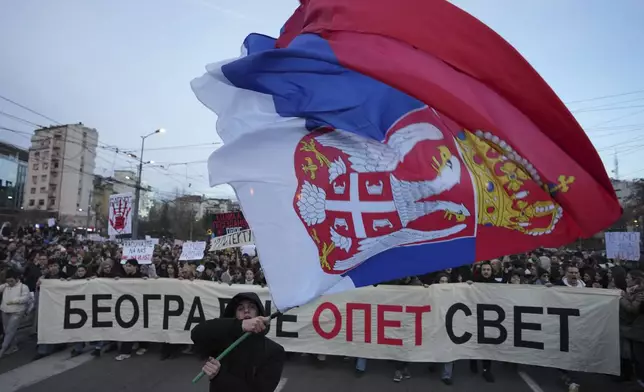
[
  {"x": 193, "y": 250},
  {"x": 141, "y": 250},
  {"x": 232, "y": 240},
  {"x": 527, "y": 324},
  {"x": 120, "y": 214},
  {"x": 623, "y": 245}
]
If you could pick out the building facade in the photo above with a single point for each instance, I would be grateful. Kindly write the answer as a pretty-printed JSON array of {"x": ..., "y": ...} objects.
[
  {"x": 13, "y": 173},
  {"x": 624, "y": 190},
  {"x": 126, "y": 182},
  {"x": 216, "y": 206},
  {"x": 60, "y": 175}
]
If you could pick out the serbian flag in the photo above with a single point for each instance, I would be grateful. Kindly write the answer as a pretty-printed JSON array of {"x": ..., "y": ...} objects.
[{"x": 378, "y": 139}]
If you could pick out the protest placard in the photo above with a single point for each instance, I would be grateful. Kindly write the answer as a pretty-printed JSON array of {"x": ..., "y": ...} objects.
[
  {"x": 228, "y": 222},
  {"x": 120, "y": 217},
  {"x": 155, "y": 241},
  {"x": 141, "y": 250},
  {"x": 623, "y": 245},
  {"x": 193, "y": 250},
  {"x": 232, "y": 240}
]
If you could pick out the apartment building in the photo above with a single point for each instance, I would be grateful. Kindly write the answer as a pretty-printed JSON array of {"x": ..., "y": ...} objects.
[
  {"x": 13, "y": 173},
  {"x": 60, "y": 175}
]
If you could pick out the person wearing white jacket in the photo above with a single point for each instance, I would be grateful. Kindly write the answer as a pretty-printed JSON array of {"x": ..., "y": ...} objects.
[{"x": 15, "y": 299}]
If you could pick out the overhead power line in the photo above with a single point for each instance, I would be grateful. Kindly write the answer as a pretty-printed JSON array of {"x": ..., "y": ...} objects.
[
  {"x": 19, "y": 119},
  {"x": 605, "y": 97},
  {"x": 29, "y": 109}
]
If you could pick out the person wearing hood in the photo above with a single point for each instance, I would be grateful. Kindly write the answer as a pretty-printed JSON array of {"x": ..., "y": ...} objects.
[{"x": 256, "y": 364}]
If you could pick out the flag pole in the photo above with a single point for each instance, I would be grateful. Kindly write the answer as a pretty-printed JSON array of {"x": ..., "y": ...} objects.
[{"x": 232, "y": 347}]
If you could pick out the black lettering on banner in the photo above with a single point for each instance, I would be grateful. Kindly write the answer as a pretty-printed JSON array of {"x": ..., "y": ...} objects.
[
  {"x": 564, "y": 326},
  {"x": 69, "y": 311},
  {"x": 481, "y": 323},
  {"x": 146, "y": 307},
  {"x": 223, "y": 302},
  {"x": 449, "y": 323},
  {"x": 281, "y": 319},
  {"x": 192, "y": 319},
  {"x": 166, "y": 308},
  {"x": 135, "y": 311},
  {"x": 520, "y": 326},
  {"x": 96, "y": 309}
]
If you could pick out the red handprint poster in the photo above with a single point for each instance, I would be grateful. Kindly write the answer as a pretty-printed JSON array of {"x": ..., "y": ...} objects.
[{"x": 120, "y": 219}]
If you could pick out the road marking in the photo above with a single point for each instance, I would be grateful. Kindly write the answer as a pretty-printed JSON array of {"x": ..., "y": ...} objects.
[
  {"x": 281, "y": 385},
  {"x": 42, "y": 369},
  {"x": 531, "y": 383}
]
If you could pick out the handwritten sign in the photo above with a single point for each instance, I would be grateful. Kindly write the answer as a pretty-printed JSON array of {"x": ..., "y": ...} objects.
[
  {"x": 623, "y": 245},
  {"x": 120, "y": 217},
  {"x": 232, "y": 240},
  {"x": 228, "y": 222},
  {"x": 141, "y": 250},
  {"x": 193, "y": 250}
]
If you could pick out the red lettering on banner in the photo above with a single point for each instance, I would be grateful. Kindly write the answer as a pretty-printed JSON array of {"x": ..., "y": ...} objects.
[
  {"x": 418, "y": 320},
  {"x": 366, "y": 308},
  {"x": 337, "y": 318},
  {"x": 382, "y": 324}
]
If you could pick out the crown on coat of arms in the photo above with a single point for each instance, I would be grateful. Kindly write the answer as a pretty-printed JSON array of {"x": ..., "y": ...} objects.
[{"x": 500, "y": 177}]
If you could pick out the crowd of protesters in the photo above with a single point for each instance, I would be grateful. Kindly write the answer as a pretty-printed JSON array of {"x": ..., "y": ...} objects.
[{"x": 29, "y": 255}]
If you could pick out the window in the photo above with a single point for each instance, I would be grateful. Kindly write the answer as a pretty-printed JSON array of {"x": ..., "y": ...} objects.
[
  {"x": 35, "y": 166},
  {"x": 45, "y": 166},
  {"x": 53, "y": 187},
  {"x": 54, "y": 174},
  {"x": 45, "y": 155},
  {"x": 43, "y": 178},
  {"x": 37, "y": 154},
  {"x": 41, "y": 202},
  {"x": 34, "y": 179},
  {"x": 32, "y": 202},
  {"x": 55, "y": 164},
  {"x": 58, "y": 136},
  {"x": 52, "y": 201},
  {"x": 33, "y": 191},
  {"x": 43, "y": 189}
]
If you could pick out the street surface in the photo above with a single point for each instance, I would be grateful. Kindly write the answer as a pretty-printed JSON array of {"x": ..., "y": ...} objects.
[{"x": 60, "y": 373}]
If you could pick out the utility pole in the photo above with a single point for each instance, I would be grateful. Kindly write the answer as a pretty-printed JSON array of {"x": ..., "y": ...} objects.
[
  {"x": 137, "y": 194},
  {"x": 137, "y": 191},
  {"x": 616, "y": 171},
  {"x": 89, "y": 213}
]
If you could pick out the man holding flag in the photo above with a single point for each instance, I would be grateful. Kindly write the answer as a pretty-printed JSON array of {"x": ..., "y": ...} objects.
[{"x": 256, "y": 365}]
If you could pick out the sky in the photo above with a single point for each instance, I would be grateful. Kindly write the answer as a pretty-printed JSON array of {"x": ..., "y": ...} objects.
[{"x": 124, "y": 68}]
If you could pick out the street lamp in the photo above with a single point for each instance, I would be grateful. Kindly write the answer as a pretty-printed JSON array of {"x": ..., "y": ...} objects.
[{"x": 137, "y": 191}]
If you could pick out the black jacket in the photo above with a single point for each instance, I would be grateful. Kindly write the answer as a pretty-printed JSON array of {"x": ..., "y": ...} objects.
[{"x": 253, "y": 366}]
